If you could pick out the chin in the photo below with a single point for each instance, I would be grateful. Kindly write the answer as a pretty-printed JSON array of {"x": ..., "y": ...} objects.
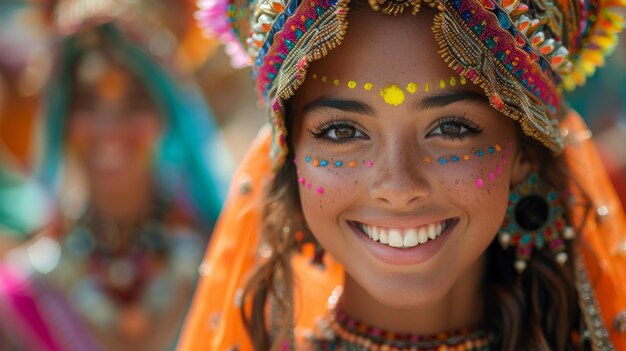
[{"x": 398, "y": 290}]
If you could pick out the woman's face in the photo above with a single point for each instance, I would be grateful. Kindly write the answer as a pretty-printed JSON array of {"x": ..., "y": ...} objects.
[
  {"x": 403, "y": 168},
  {"x": 114, "y": 125}
]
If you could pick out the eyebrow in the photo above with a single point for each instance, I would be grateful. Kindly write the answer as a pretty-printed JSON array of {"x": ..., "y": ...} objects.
[
  {"x": 344, "y": 105},
  {"x": 448, "y": 98}
]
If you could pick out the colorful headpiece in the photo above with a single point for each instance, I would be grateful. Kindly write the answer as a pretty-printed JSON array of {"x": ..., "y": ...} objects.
[{"x": 538, "y": 47}]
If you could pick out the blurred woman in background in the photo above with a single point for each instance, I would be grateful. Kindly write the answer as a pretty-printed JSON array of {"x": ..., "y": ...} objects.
[{"x": 131, "y": 151}]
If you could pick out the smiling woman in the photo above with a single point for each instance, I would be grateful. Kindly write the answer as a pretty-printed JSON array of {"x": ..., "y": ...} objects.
[{"x": 447, "y": 193}]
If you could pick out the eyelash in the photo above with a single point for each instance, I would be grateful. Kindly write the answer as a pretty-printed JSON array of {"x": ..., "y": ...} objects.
[
  {"x": 472, "y": 127},
  {"x": 321, "y": 132}
]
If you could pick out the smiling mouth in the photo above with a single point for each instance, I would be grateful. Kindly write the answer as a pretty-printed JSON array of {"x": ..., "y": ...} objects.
[{"x": 405, "y": 237}]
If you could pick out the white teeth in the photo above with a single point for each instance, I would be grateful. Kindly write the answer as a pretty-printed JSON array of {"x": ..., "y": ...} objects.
[
  {"x": 432, "y": 231},
  {"x": 383, "y": 236},
  {"x": 395, "y": 238},
  {"x": 410, "y": 238},
  {"x": 422, "y": 236},
  {"x": 375, "y": 234},
  {"x": 404, "y": 237}
]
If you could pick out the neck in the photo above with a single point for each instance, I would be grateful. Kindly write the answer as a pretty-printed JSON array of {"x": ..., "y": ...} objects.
[{"x": 461, "y": 307}]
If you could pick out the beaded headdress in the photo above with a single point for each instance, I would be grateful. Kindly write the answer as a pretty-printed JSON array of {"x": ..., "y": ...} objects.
[{"x": 538, "y": 47}]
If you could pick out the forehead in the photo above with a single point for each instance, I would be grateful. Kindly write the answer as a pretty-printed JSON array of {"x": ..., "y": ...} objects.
[
  {"x": 386, "y": 48},
  {"x": 396, "y": 57}
]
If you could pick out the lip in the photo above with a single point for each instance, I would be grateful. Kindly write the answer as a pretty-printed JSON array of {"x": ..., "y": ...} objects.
[{"x": 403, "y": 256}]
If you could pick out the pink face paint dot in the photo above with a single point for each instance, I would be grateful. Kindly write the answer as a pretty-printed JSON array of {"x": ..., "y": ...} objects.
[
  {"x": 308, "y": 184},
  {"x": 320, "y": 190},
  {"x": 491, "y": 176},
  {"x": 504, "y": 160},
  {"x": 499, "y": 170},
  {"x": 479, "y": 183},
  {"x": 506, "y": 152},
  {"x": 301, "y": 180},
  {"x": 369, "y": 164}
]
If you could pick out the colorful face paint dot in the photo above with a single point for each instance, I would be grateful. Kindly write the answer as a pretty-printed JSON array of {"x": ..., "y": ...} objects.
[
  {"x": 427, "y": 159},
  {"x": 466, "y": 157},
  {"x": 314, "y": 76},
  {"x": 479, "y": 183},
  {"x": 499, "y": 170},
  {"x": 324, "y": 79},
  {"x": 479, "y": 153},
  {"x": 338, "y": 163},
  {"x": 442, "y": 84},
  {"x": 503, "y": 160},
  {"x": 336, "y": 82},
  {"x": 368, "y": 86},
  {"x": 320, "y": 190},
  {"x": 301, "y": 180},
  {"x": 307, "y": 159},
  {"x": 369, "y": 164},
  {"x": 393, "y": 95},
  {"x": 491, "y": 176},
  {"x": 443, "y": 160},
  {"x": 323, "y": 163},
  {"x": 316, "y": 163},
  {"x": 308, "y": 184},
  {"x": 411, "y": 88},
  {"x": 452, "y": 81},
  {"x": 427, "y": 86},
  {"x": 498, "y": 147},
  {"x": 352, "y": 164},
  {"x": 351, "y": 84},
  {"x": 463, "y": 80},
  {"x": 491, "y": 149},
  {"x": 455, "y": 158}
]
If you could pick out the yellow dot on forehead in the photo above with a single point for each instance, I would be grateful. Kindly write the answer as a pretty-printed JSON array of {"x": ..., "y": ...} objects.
[
  {"x": 452, "y": 81},
  {"x": 427, "y": 86},
  {"x": 463, "y": 80},
  {"x": 351, "y": 84},
  {"x": 442, "y": 84},
  {"x": 336, "y": 82},
  {"x": 368, "y": 86},
  {"x": 324, "y": 79},
  {"x": 314, "y": 76},
  {"x": 411, "y": 88},
  {"x": 393, "y": 95}
]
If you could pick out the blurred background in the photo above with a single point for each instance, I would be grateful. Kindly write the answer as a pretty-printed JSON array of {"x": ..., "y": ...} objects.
[{"x": 120, "y": 125}]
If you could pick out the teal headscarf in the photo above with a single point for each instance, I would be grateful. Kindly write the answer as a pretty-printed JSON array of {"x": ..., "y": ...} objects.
[{"x": 192, "y": 159}]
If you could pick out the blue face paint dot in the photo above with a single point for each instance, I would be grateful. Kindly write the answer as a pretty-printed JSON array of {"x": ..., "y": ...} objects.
[
  {"x": 308, "y": 159},
  {"x": 491, "y": 149},
  {"x": 479, "y": 153},
  {"x": 339, "y": 163},
  {"x": 455, "y": 158},
  {"x": 443, "y": 160},
  {"x": 323, "y": 163}
]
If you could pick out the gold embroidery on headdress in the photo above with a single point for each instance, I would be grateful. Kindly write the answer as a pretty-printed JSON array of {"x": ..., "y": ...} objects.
[{"x": 397, "y": 7}]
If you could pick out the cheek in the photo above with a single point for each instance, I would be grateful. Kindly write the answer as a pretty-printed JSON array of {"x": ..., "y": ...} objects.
[{"x": 329, "y": 185}]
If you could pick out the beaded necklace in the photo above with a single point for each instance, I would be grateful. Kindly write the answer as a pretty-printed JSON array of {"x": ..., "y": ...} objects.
[{"x": 341, "y": 332}]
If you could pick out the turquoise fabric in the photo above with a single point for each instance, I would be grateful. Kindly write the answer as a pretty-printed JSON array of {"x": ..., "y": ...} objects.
[{"x": 192, "y": 160}]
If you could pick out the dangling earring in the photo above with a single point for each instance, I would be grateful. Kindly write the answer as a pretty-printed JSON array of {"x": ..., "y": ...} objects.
[{"x": 534, "y": 218}]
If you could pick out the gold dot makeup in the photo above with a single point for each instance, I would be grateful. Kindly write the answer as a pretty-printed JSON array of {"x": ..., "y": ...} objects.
[{"x": 393, "y": 94}]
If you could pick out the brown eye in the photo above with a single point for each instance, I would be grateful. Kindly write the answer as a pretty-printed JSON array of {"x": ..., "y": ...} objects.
[
  {"x": 451, "y": 129},
  {"x": 344, "y": 132}
]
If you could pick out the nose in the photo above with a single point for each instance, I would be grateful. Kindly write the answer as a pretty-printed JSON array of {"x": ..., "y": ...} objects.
[{"x": 399, "y": 180}]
